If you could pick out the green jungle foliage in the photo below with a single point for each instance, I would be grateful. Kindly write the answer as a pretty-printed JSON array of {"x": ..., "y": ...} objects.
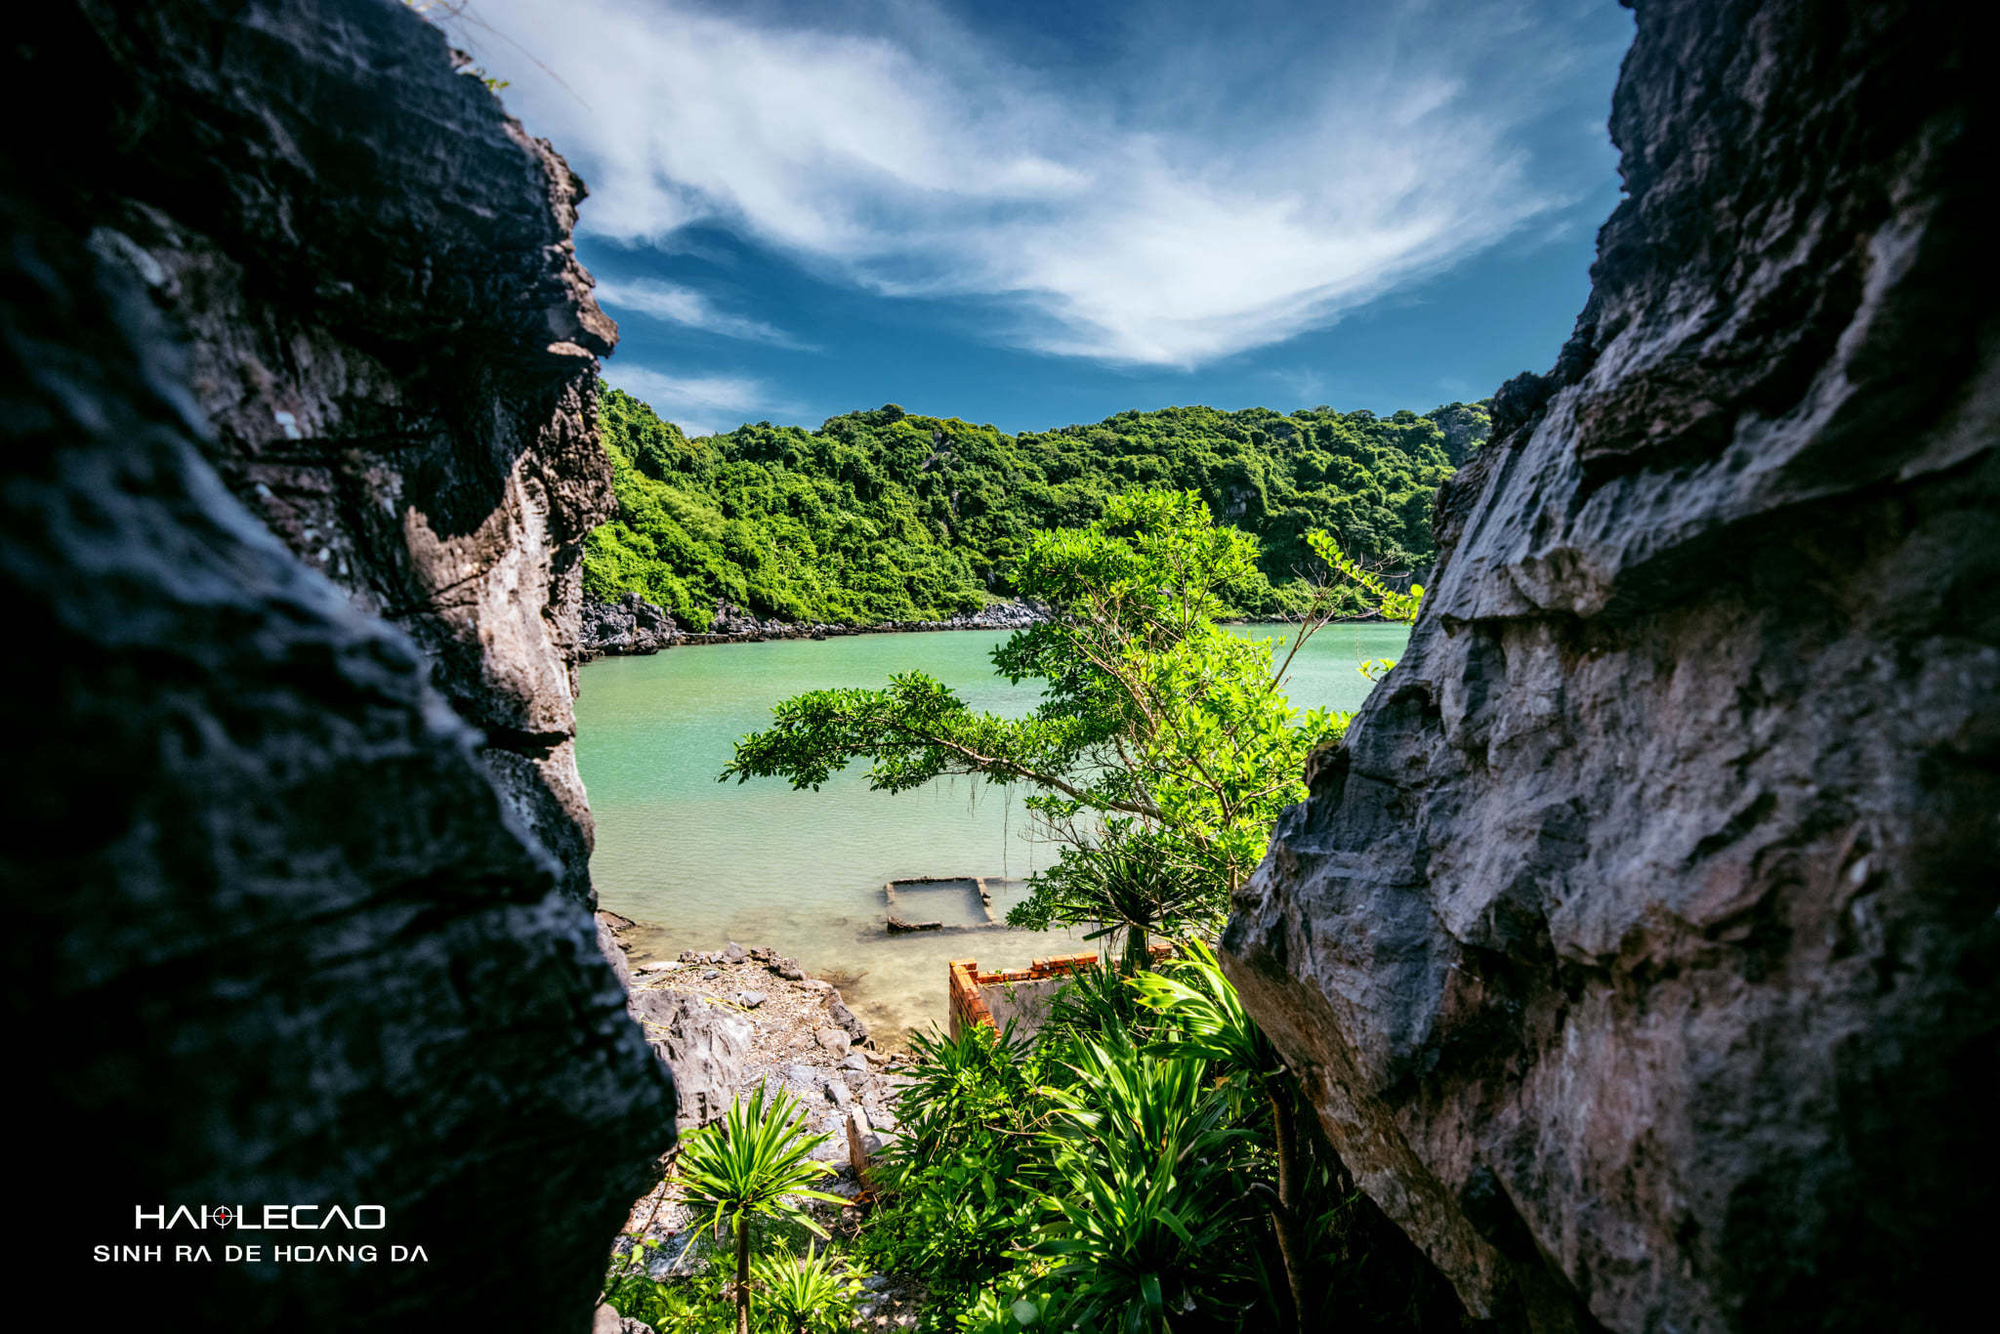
[
  {"x": 748, "y": 1177},
  {"x": 801, "y": 1287},
  {"x": 1145, "y": 1164},
  {"x": 882, "y": 516},
  {"x": 1163, "y": 747}
]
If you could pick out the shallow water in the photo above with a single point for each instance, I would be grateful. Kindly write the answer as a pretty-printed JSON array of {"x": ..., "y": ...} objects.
[{"x": 700, "y": 862}]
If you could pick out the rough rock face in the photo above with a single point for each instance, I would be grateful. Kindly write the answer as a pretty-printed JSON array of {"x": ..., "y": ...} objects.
[
  {"x": 632, "y": 625},
  {"x": 629, "y": 625},
  {"x": 293, "y": 842},
  {"x": 1640, "y": 944},
  {"x": 706, "y": 1048},
  {"x": 393, "y": 339},
  {"x": 1464, "y": 427}
]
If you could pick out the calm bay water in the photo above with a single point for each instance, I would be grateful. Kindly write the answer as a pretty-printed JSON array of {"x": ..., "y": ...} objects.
[{"x": 700, "y": 862}]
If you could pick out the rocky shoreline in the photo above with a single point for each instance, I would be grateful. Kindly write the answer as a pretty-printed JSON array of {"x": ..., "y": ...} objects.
[
  {"x": 732, "y": 1019},
  {"x": 632, "y": 626}
]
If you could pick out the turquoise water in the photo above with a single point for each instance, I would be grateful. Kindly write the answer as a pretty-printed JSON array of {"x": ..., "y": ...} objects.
[{"x": 700, "y": 862}]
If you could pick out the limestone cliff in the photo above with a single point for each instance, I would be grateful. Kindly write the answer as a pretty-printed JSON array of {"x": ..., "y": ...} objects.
[
  {"x": 1639, "y": 946},
  {"x": 392, "y": 337},
  {"x": 297, "y": 386}
]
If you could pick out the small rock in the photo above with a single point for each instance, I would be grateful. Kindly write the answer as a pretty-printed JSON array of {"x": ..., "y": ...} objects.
[
  {"x": 854, "y": 1061},
  {"x": 876, "y": 1057},
  {"x": 711, "y": 975},
  {"x": 834, "y": 1148},
  {"x": 659, "y": 966},
  {"x": 847, "y": 1019},
  {"x": 834, "y": 1041},
  {"x": 608, "y": 1321},
  {"x": 734, "y": 953},
  {"x": 750, "y": 1000},
  {"x": 876, "y": 1282},
  {"x": 838, "y": 1093}
]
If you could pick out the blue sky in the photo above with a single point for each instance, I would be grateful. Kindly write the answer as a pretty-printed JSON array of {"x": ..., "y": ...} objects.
[{"x": 1033, "y": 213}]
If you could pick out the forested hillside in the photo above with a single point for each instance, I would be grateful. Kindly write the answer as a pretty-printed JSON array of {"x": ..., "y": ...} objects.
[{"x": 882, "y": 516}]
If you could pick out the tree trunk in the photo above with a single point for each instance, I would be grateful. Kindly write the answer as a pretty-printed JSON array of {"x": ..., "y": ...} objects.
[
  {"x": 1285, "y": 1217},
  {"x": 1138, "y": 950},
  {"x": 743, "y": 1274}
]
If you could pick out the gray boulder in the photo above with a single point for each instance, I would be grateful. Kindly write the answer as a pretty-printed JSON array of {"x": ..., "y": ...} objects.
[
  {"x": 608, "y": 1321},
  {"x": 707, "y": 1048},
  {"x": 857, "y": 1031}
]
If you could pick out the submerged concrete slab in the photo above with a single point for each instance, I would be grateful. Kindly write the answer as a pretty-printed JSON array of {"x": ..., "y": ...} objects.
[{"x": 941, "y": 903}]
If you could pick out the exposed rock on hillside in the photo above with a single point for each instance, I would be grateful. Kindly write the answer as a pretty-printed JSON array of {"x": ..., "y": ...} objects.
[
  {"x": 287, "y": 929},
  {"x": 1640, "y": 944},
  {"x": 734, "y": 1020},
  {"x": 629, "y": 625},
  {"x": 633, "y": 625},
  {"x": 728, "y": 1024},
  {"x": 1465, "y": 426}
]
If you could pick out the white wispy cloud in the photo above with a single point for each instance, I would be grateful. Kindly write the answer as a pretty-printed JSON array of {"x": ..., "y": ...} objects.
[
  {"x": 699, "y": 404},
  {"x": 689, "y": 308},
  {"x": 1219, "y": 187}
]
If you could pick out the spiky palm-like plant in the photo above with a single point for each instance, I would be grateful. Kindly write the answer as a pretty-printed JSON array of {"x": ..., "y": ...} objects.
[
  {"x": 810, "y": 1293},
  {"x": 756, "y": 1162},
  {"x": 1146, "y": 1201},
  {"x": 1200, "y": 1002},
  {"x": 1129, "y": 880}
]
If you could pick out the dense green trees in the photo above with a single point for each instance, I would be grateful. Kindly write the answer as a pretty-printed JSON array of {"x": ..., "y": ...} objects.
[{"x": 883, "y": 516}]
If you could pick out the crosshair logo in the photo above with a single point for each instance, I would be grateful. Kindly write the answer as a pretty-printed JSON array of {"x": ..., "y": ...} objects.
[{"x": 222, "y": 1215}]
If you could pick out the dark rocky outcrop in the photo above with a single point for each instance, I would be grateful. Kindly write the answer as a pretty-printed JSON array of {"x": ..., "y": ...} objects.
[
  {"x": 632, "y": 625},
  {"x": 393, "y": 341},
  {"x": 297, "y": 384},
  {"x": 628, "y": 626},
  {"x": 1465, "y": 428},
  {"x": 1640, "y": 945}
]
